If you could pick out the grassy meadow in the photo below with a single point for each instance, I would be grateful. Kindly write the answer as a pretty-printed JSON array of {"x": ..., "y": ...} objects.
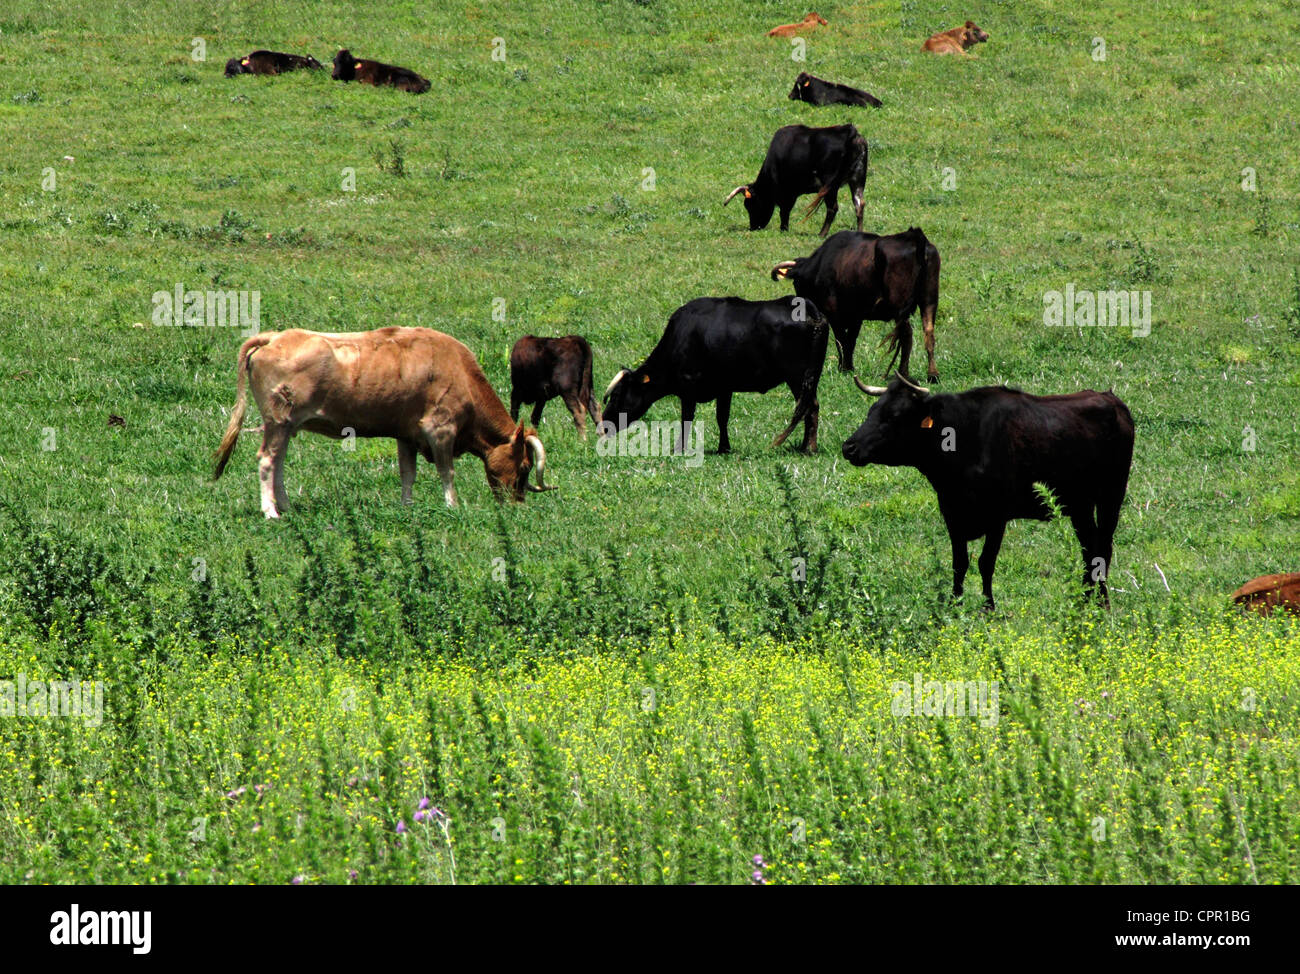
[{"x": 659, "y": 671}]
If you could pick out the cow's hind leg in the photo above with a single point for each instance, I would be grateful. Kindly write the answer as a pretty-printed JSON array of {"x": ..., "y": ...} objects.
[
  {"x": 832, "y": 208},
  {"x": 927, "y": 328},
  {"x": 1095, "y": 565},
  {"x": 901, "y": 339},
  {"x": 406, "y": 466},
  {"x": 270, "y": 461},
  {"x": 537, "y": 412},
  {"x": 1108, "y": 509},
  {"x": 579, "y": 412}
]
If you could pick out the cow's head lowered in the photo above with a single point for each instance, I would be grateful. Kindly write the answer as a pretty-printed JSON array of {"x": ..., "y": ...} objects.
[
  {"x": 759, "y": 204},
  {"x": 629, "y": 396},
  {"x": 509, "y": 464},
  {"x": 902, "y": 428}
]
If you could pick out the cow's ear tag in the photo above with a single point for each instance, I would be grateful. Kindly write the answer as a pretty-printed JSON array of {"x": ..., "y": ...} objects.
[
  {"x": 807, "y": 84},
  {"x": 356, "y": 66},
  {"x": 645, "y": 378},
  {"x": 927, "y": 422},
  {"x": 244, "y": 62},
  {"x": 747, "y": 194}
]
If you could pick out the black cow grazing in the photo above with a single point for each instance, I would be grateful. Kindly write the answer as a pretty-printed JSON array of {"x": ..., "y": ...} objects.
[
  {"x": 271, "y": 62},
  {"x": 714, "y": 347},
  {"x": 815, "y": 91},
  {"x": 854, "y": 277},
  {"x": 803, "y": 160},
  {"x": 984, "y": 450},
  {"x": 348, "y": 68},
  {"x": 543, "y": 368}
]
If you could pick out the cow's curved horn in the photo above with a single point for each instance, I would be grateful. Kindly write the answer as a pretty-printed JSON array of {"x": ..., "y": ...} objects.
[
  {"x": 779, "y": 271},
  {"x": 921, "y": 389},
  {"x": 738, "y": 189},
  {"x": 869, "y": 390},
  {"x": 615, "y": 381},
  {"x": 539, "y": 461}
]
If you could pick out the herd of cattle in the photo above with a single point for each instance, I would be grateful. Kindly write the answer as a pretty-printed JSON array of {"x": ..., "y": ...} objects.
[{"x": 987, "y": 452}]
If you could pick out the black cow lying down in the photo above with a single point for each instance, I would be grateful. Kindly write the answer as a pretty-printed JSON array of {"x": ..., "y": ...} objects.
[
  {"x": 984, "y": 451},
  {"x": 349, "y": 68},
  {"x": 271, "y": 62},
  {"x": 815, "y": 91},
  {"x": 714, "y": 347}
]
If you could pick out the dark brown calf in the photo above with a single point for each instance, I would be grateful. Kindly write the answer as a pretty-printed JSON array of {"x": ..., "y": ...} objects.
[
  {"x": 271, "y": 62},
  {"x": 543, "y": 368},
  {"x": 348, "y": 68}
]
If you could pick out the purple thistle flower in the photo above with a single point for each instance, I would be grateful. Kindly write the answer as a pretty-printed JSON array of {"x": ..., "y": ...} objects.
[
  {"x": 421, "y": 816},
  {"x": 352, "y": 874},
  {"x": 758, "y": 878},
  {"x": 401, "y": 827},
  {"x": 758, "y": 861},
  {"x": 424, "y": 803},
  {"x": 297, "y": 880}
]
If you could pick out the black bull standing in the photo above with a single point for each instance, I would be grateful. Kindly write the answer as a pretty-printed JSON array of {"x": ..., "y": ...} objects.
[{"x": 984, "y": 451}]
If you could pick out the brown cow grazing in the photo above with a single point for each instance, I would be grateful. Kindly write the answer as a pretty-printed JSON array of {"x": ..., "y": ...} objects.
[
  {"x": 1269, "y": 592},
  {"x": 789, "y": 30},
  {"x": 543, "y": 368},
  {"x": 348, "y": 68},
  {"x": 956, "y": 41},
  {"x": 419, "y": 386},
  {"x": 271, "y": 62}
]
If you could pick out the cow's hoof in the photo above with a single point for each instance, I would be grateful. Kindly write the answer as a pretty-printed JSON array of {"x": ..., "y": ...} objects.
[{"x": 932, "y": 376}]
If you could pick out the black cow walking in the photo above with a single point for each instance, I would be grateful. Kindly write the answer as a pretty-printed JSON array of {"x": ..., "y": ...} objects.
[
  {"x": 815, "y": 91},
  {"x": 984, "y": 451},
  {"x": 715, "y": 347},
  {"x": 854, "y": 277},
  {"x": 349, "y": 68},
  {"x": 803, "y": 160},
  {"x": 271, "y": 62},
  {"x": 543, "y": 368}
]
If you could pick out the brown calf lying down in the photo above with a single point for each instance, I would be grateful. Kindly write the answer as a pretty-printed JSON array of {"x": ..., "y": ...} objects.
[
  {"x": 789, "y": 30},
  {"x": 348, "y": 68},
  {"x": 416, "y": 385},
  {"x": 1269, "y": 592},
  {"x": 956, "y": 41}
]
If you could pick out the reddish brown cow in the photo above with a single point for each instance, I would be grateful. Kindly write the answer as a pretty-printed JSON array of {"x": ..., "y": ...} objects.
[
  {"x": 419, "y": 386},
  {"x": 789, "y": 30},
  {"x": 543, "y": 368},
  {"x": 1269, "y": 592}
]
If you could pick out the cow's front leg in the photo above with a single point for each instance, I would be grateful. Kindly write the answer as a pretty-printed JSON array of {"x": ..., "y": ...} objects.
[
  {"x": 688, "y": 420},
  {"x": 858, "y": 204},
  {"x": 406, "y": 466},
  {"x": 785, "y": 209},
  {"x": 724, "y": 416},
  {"x": 270, "y": 472},
  {"x": 989, "y": 559},
  {"x": 442, "y": 446},
  {"x": 960, "y": 563}
]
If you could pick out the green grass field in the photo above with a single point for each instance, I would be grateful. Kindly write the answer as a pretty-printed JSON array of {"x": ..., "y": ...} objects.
[{"x": 622, "y": 681}]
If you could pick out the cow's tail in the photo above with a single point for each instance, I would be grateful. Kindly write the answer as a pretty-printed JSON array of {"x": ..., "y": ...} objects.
[
  {"x": 241, "y": 401},
  {"x": 807, "y": 401},
  {"x": 856, "y": 156},
  {"x": 586, "y": 394}
]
